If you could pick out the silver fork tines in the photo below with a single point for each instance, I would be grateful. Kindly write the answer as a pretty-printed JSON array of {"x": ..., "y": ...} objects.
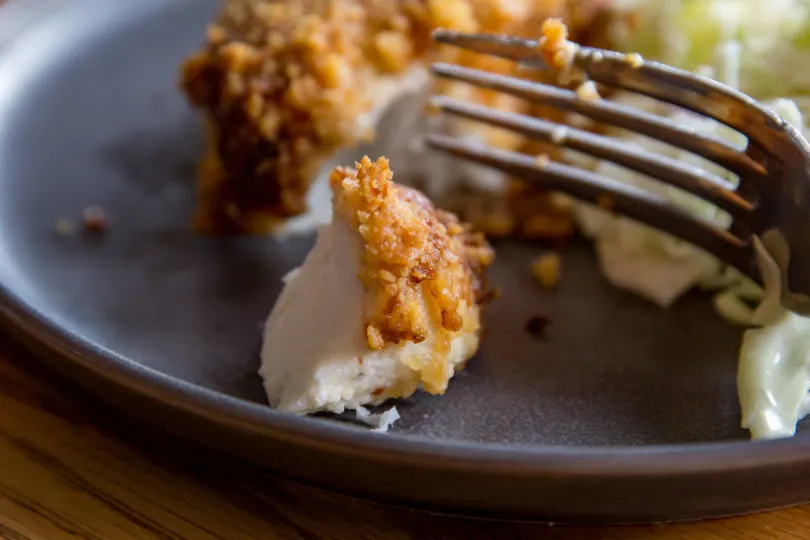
[
  {"x": 677, "y": 87},
  {"x": 612, "y": 114},
  {"x": 774, "y": 183},
  {"x": 689, "y": 178},
  {"x": 633, "y": 202}
]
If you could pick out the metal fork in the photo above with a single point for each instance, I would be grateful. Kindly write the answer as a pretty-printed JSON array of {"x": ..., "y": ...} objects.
[{"x": 771, "y": 203}]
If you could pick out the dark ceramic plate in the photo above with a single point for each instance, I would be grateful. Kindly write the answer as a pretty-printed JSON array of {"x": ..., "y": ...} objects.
[{"x": 622, "y": 412}]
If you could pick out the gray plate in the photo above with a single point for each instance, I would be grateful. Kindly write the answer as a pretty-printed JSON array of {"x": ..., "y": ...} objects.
[{"x": 623, "y": 412}]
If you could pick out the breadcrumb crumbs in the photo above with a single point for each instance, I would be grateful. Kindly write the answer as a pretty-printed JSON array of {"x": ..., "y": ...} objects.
[
  {"x": 283, "y": 85},
  {"x": 546, "y": 269},
  {"x": 94, "y": 219},
  {"x": 374, "y": 338},
  {"x": 65, "y": 227},
  {"x": 536, "y": 326},
  {"x": 411, "y": 248},
  {"x": 559, "y": 134},
  {"x": 423, "y": 271},
  {"x": 557, "y": 51},
  {"x": 587, "y": 91},
  {"x": 387, "y": 276},
  {"x": 635, "y": 60}
]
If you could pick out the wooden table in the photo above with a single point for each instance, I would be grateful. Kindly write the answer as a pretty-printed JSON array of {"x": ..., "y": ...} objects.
[{"x": 70, "y": 469}]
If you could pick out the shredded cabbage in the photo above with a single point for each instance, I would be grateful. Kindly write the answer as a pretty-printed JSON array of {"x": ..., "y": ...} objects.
[
  {"x": 773, "y": 377},
  {"x": 761, "y": 47},
  {"x": 773, "y": 35}
]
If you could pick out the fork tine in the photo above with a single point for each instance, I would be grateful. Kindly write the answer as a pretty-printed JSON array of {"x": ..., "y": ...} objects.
[
  {"x": 678, "y": 87},
  {"x": 692, "y": 179},
  {"x": 681, "y": 88},
  {"x": 630, "y": 201},
  {"x": 523, "y": 51},
  {"x": 614, "y": 114}
]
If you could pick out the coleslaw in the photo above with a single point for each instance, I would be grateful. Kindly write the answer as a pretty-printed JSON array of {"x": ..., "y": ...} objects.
[{"x": 762, "y": 48}]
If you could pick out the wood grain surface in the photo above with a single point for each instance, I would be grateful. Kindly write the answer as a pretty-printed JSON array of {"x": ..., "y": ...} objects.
[{"x": 71, "y": 469}]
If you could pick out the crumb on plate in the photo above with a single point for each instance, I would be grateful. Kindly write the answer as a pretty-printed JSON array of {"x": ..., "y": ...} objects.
[
  {"x": 94, "y": 219},
  {"x": 381, "y": 422},
  {"x": 65, "y": 227},
  {"x": 546, "y": 268},
  {"x": 536, "y": 326}
]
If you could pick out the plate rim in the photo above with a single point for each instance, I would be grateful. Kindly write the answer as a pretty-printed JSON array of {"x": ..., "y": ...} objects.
[{"x": 21, "y": 318}]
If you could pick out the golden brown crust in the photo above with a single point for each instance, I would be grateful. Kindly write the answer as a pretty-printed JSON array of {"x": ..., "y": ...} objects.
[
  {"x": 283, "y": 84},
  {"x": 422, "y": 269},
  {"x": 557, "y": 51},
  {"x": 280, "y": 92}
]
